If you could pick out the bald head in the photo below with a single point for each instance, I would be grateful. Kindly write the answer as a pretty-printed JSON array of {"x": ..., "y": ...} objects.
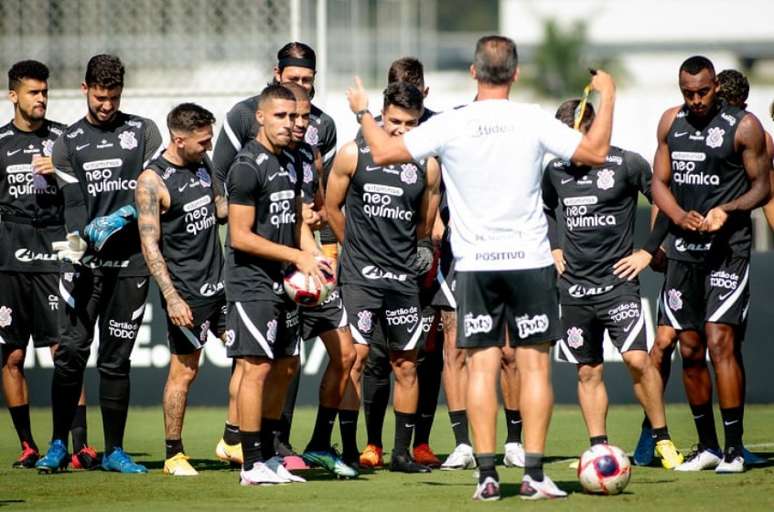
[{"x": 495, "y": 60}]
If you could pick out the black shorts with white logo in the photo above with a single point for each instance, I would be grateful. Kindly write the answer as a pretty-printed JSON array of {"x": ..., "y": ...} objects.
[
  {"x": 446, "y": 277},
  {"x": 209, "y": 317},
  {"x": 583, "y": 328},
  {"x": 29, "y": 306},
  {"x": 527, "y": 301},
  {"x": 398, "y": 314},
  {"x": 328, "y": 316},
  {"x": 262, "y": 328},
  {"x": 696, "y": 293}
]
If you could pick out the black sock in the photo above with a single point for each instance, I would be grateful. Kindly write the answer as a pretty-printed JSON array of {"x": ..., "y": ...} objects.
[
  {"x": 231, "y": 434},
  {"x": 486, "y": 466},
  {"x": 113, "y": 423},
  {"x": 594, "y": 440},
  {"x": 269, "y": 431},
  {"x": 661, "y": 434},
  {"x": 705, "y": 425},
  {"x": 173, "y": 447},
  {"x": 65, "y": 392},
  {"x": 114, "y": 403},
  {"x": 78, "y": 429},
  {"x": 423, "y": 428},
  {"x": 404, "y": 427},
  {"x": 323, "y": 427},
  {"x": 459, "y": 424},
  {"x": 733, "y": 425},
  {"x": 533, "y": 466},
  {"x": 251, "y": 448},
  {"x": 429, "y": 370},
  {"x": 20, "y": 415},
  {"x": 513, "y": 422},
  {"x": 286, "y": 420},
  {"x": 348, "y": 428},
  {"x": 646, "y": 423},
  {"x": 376, "y": 396}
]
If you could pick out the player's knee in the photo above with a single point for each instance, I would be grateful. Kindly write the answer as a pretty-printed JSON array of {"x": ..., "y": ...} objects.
[
  {"x": 589, "y": 373},
  {"x": 692, "y": 354},
  {"x": 13, "y": 359},
  {"x": 69, "y": 361},
  {"x": 720, "y": 347},
  {"x": 638, "y": 363}
]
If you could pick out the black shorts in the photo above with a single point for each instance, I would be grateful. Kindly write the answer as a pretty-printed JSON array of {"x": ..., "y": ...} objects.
[
  {"x": 527, "y": 301},
  {"x": 262, "y": 328},
  {"x": 206, "y": 318},
  {"x": 446, "y": 277},
  {"x": 328, "y": 316},
  {"x": 29, "y": 306},
  {"x": 398, "y": 314},
  {"x": 696, "y": 293},
  {"x": 583, "y": 327}
]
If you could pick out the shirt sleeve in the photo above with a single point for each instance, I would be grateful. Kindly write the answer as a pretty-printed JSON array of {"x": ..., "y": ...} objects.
[
  {"x": 328, "y": 146},
  {"x": 640, "y": 173},
  {"x": 233, "y": 135},
  {"x": 242, "y": 184},
  {"x": 556, "y": 137},
  {"x": 152, "y": 142},
  {"x": 428, "y": 138},
  {"x": 75, "y": 213}
]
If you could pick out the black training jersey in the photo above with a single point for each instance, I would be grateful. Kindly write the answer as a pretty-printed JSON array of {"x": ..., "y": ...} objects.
[
  {"x": 189, "y": 232},
  {"x": 706, "y": 172},
  {"x": 30, "y": 204},
  {"x": 598, "y": 206},
  {"x": 270, "y": 184},
  {"x": 310, "y": 181},
  {"x": 100, "y": 164},
  {"x": 382, "y": 205}
]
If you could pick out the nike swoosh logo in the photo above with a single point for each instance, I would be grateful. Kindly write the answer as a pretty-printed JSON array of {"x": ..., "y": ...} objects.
[
  {"x": 78, "y": 148},
  {"x": 626, "y": 329},
  {"x": 408, "y": 426},
  {"x": 700, "y": 416},
  {"x": 456, "y": 424},
  {"x": 567, "y": 180},
  {"x": 680, "y": 134},
  {"x": 729, "y": 423},
  {"x": 142, "y": 283},
  {"x": 515, "y": 422},
  {"x": 426, "y": 415},
  {"x": 346, "y": 422},
  {"x": 373, "y": 168},
  {"x": 180, "y": 189},
  {"x": 11, "y": 153},
  {"x": 724, "y": 297}
]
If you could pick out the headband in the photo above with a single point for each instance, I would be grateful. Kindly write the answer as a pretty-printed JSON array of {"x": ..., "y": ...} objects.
[{"x": 293, "y": 61}]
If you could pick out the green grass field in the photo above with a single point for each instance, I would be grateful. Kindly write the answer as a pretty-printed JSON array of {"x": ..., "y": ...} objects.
[{"x": 217, "y": 488}]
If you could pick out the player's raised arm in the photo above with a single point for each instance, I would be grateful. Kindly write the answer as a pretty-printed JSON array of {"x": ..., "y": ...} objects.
[
  {"x": 595, "y": 144},
  {"x": 338, "y": 183}
]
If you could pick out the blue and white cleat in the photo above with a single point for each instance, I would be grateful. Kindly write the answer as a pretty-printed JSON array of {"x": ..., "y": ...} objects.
[
  {"x": 120, "y": 462},
  {"x": 643, "y": 452},
  {"x": 55, "y": 459},
  {"x": 750, "y": 459}
]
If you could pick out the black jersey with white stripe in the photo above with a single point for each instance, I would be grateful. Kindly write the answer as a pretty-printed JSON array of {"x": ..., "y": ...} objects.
[
  {"x": 598, "y": 207},
  {"x": 31, "y": 204},
  {"x": 98, "y": 167},
  {"x": 268, "y": 183},
  {"x": 382, "y": 214},
  {"x": 707, "y": 171},
  {"x": 190, "y": 242}
]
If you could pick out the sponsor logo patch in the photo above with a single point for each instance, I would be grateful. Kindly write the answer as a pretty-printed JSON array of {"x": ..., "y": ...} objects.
[
  {"x": 477, "y": 324},
  {"x": 530, "y": 326}
]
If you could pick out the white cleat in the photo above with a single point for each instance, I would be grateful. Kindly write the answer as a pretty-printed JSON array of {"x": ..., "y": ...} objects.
[
  {"x": 733, "y": 462},
  {"x": 514, "y": 455},
  {"x": 260, "y": 474},
  {"x": 276, "y": 464},
  {"x": 700, "y": 460},
  {"x": 461, "y": 458},
  {"x": 488, "y": 490},
  {"x": 545, "y": 490}
]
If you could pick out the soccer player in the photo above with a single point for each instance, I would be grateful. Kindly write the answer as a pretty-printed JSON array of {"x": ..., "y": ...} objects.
[
  {"x": 97, "y": 161},
  {"x": 505, "y": 272},
  {"x": 598, "y": 286},
  {"x": 388, "y": 209},
  {"x": 710, "y": 170},
  {"x": 30, "y": 220},
  {"x": 266, "y": 233},
  {"x": 178, "y": 222}
]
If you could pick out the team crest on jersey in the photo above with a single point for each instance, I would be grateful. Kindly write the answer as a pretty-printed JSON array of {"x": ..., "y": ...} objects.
[
  {"x": 312, "y": 135},
  {"x": 605, "y": 179},
  {"x": 204, "y": 177},
  {"x": 48, "y": 146},
  {"x": 169, "y": 171},
  {"x": 365, "y": 321},
  {"x": 575, "y": 337},
  {"x": 229, "y": 337},
  {"x": 128, "y": 140},
  {"x": 715, "y": 137},
  {"x": 271, "y": 331},
  {"x": 675, "y": 299},
  {"x": 408, "y": 174},
  {"x": 308, "y": 173},
  {"x": 5, "y": 316}
]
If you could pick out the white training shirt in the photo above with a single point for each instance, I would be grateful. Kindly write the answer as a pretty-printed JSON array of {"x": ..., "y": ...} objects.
[{"x": 492, "y": 158}]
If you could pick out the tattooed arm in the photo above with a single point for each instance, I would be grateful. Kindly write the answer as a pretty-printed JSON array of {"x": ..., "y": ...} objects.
[{"x": 152, "y": 197}]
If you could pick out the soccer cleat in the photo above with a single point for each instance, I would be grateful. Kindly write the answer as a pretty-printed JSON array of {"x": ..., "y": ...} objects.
[
  {"x": 733, "y": 462},
  {"x": 751, "y": 459},
  {"x": 701, "y": 458},
  {"x": 488, "y": 490},
  {"x": 290, "y": 459},
  {"x": 372, "y": 457},
  {"x": 330, "y": 461},
  {"x": 229, "y": 452},
  {"x": 403, "y": 463},
  {"x": 514, "y": 455},
  {"x": 86, "y": 459},
  {"x": 55, "y": 459},
  {"x": 29, "y": 456},
  {"x": 646, "y": 445},
  {"x": 461, "y": 458},
  {"x": 424, "y": 455},
  {"x": 179, "y": 466},
  {"x": 276, "y": 464},
  {"x": 260, "y": 474},
  {"x": 534, "y": 490},
  {"x": 120, "y": 462},
  {"x": 670, "y": 457}
]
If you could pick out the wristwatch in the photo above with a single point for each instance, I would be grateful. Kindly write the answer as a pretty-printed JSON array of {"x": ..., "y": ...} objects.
[{"x": 360, "y": 113}]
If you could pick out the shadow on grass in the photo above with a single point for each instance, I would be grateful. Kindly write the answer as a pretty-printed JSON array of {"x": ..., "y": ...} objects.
[
  {"x": 198, "y": 464},
  {"x": 7, "y": 503}
]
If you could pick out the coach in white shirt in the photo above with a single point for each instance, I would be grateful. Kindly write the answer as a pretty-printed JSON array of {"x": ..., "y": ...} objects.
[{"x": 492, "y": 152}]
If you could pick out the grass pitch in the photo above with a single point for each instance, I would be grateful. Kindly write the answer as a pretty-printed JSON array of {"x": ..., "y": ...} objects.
[{"x": 217, "y": 488}]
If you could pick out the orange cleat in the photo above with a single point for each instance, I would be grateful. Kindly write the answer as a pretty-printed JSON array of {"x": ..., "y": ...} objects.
[
  {"x": 372, "y": 457},
  {"x": 424, "y": 455}
]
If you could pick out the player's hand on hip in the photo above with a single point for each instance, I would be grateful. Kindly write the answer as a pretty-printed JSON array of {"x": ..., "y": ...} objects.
[
  {"x": 714, "y": 220},
  {"x": 357, "y": 96},
  {"x": 602, "y": 82},
  {"x": 42, "y": 165},
  {"x": 691, "y": 221},
  {"x": 559, "y": 261},
  {"x": 629, "y": 267},
  {"x": 179, "y": 312}
]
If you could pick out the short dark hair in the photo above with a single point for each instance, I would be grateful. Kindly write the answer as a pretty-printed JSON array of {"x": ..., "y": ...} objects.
[
  {"x": 188, "y": 117},
  {"x": 734, "y": 87},
  {"x": 496, "y": 60},
  {"x": 30, "y": 69},
  {"x": 105, "y": 71},
  {"x": 298, "y": 54},
  {"x": 275, "y": 92},
  {"x": 299, "y": 93},
  {"x": 403, "y": 95},
  {"x": 407, "y": 69},
  {"x": 696, "y": 64},
  {"x": 566, "y": 113}
]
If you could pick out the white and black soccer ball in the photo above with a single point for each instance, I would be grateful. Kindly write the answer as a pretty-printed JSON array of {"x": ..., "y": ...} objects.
[
  {"x": 304, "y": 290},
  {"x": 604, "y": 469}
]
